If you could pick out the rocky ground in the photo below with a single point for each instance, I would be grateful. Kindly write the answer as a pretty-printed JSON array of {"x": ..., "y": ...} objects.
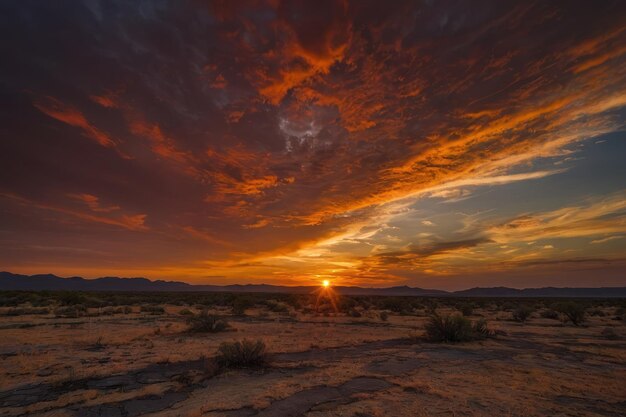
[{"x": 148, "y": 365}]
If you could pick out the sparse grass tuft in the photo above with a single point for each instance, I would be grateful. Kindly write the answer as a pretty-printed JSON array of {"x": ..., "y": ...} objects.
[
  {"x": 207, "y": 323},
  {"x": 242, "y": 354}
]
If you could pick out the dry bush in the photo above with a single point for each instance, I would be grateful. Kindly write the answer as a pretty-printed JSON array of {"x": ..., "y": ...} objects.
[
  {"x": 522, "y": 313},
  {"x": 455, "y": 328},
  {"x": 242, "y": 354},
  {"x": 207, "y": 323},
  {"x": 550, "y": 314},
  {"x": 277, "y": 306},
  {"x": 23, "y": 311},
  {"x": 466, "y": 309},
  {"x": 152, "y": 309},
  {"x": 572, "y": 311},
  {"x": 185, "y": 312},
  {"x": 71, "y": 311},
  {"x": 383, "y": 315},
  {"x": 609, "y": 334}
]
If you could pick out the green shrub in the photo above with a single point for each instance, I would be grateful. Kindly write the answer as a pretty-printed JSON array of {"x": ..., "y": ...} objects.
[
  {"x": 185, "y": 312},
  {"x": 207, "y": 323},
  {"x": 242, "y": 354},
  {"x": 521, "y": 314},
  {"x": 572, "y": 311}
]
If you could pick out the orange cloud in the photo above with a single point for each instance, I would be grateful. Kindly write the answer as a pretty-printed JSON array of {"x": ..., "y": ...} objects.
[{"x": 73, "y": 117}]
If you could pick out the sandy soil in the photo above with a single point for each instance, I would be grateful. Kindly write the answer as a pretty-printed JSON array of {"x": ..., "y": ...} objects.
[{"x": 148, "y": 365}]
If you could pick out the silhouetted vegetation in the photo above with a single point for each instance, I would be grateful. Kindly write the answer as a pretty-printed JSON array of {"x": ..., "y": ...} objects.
[{"x": 109, "y": 303}]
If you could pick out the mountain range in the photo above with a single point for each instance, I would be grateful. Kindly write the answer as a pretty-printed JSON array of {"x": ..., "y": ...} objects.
[{"x": 10, "y": 281}]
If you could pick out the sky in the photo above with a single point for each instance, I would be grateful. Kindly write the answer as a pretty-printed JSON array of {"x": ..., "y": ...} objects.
[{"x": 438, "y": 144}]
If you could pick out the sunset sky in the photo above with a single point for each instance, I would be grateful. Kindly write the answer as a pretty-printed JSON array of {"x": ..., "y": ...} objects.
[{"x": 439, "y": 144}]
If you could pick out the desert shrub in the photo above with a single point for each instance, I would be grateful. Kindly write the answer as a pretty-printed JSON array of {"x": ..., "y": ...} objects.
[
  {"x": 108, "y": 311},
  {"x": 383, "y": 315},
  {"x": 456, "y": 328},
  {"x": 26, "y": 311},
  {"x": 481, "y": 330},
  {"x": 71, "y": 311},
  {"x": 207, "y": 323},
  {"x": 240, "y": 304},
  {"x": 466, "y": 309},
  {"x": 396, "y": 304},
  {"x": 346, "y": 304},
  {"x": 185, "y": 312},
  {"x": 597, "y": 312},
  {"x": 242, "y": 354},
  {"x": 508, "y": 306},
  {"x": 152, "y": 309},
  {"x": 550, "y": 314},
  {"x": 127, "y": 309},
  {"x": 354, "y": 313},
  {"x": 449, "y": 329},
  {"x": 572, "y": 311},
  {"x": 609, "y": 334},
  {"x": 71, "y": 298},
  {"x": 521, "y": 314},
  {"x": 277, "y": 306}
]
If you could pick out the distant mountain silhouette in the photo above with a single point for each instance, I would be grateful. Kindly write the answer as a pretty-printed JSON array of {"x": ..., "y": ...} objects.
[{"x": 10, "y": 281}]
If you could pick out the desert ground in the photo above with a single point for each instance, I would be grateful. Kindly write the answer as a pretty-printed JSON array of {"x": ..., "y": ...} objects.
[{"x": 142, "y": 359}]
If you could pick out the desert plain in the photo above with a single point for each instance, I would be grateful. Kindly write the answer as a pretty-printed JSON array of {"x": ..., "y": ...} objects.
[{"x": 370, "y": 357}]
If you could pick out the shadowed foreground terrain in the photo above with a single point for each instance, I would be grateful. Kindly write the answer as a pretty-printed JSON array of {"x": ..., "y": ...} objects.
[{"x": 112, "y": 354}]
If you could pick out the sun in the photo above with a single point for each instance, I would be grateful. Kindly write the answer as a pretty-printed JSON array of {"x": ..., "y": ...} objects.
[{"x": 326, "y": 283}]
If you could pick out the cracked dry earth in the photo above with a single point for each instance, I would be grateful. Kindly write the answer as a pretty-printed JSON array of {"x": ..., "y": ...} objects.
[{"x": 138, "y": 365}]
